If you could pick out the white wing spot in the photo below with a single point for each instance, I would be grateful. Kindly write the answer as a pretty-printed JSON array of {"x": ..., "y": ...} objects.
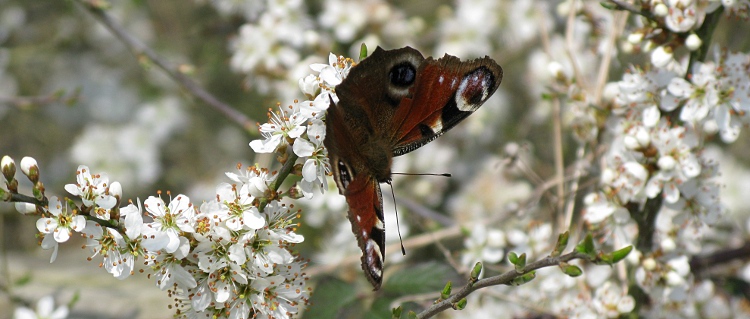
[
  {"x": 438, "y": 126},
  {"x": 462, "y": 101},
  {"x": 372, "y": 247}
]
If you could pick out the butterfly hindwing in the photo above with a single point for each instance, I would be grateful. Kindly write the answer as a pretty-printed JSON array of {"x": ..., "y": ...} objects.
[{"x": 366, "y": 215}]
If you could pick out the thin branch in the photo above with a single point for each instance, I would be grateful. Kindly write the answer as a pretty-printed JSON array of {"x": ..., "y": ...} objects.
[
  {"x": 276, "y": 184},
  {"x": 425, "y": 212},
  {"x": 502, "y": 279},
  {"x": 573, "y": 191},
  {"x": 699, "y": 264},
  {"x": 413, "y": 242},
  {"x": 142, "y": 51},
  {"x": 557, "y": 132},
  {"x": 622, "y": 5},
  {"x": 618, "y": 25},
  {"x": 559, "y": 165},
  {"x": 705, "y": 33},
  {"x": 22, "y": 102},
  {"x": 569, "y": 45},
  {"x": 21, "y": 198},
  {"x": 646, "y": 220}
]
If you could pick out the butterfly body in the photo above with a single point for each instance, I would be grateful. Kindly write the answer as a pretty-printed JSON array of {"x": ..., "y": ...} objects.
[{"x": 392, "y": 103}]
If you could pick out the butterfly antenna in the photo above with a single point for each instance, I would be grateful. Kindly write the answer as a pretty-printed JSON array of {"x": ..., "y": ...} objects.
[
  {"x": 398, "y": 227},
  {"x": 424, "y": 174}
]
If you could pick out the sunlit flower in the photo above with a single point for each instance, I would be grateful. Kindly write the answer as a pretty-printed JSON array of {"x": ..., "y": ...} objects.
[
  {"x": 60, "y": 226},
  {"x": 45, "y": 309},
  {"x": 169, "y": 221},
  {"x": 285, "y": 125},
  {"x": 93, "y": 189}
]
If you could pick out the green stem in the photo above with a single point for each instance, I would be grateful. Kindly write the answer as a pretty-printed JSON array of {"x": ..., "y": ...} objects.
[
  {"x": 283, "y": 173},
  {"x": 705, "y": 33}
]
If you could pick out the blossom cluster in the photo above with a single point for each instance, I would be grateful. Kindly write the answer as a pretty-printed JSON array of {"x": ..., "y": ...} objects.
[
  {"x": 680, "y": 19},
  {"x": 227, "y": 257},
  {"x": 272, "y": 45},
  {"x": 301, "y": 124},
  {"x": 230, "y": 257},
  {"x": 662, "y": 119}
]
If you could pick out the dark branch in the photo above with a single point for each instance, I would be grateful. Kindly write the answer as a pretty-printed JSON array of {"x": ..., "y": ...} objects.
[
  {"x": 622, "y": 5},
  {"x": 502, "y": 279},
  {"x": 140, "y": 50}
]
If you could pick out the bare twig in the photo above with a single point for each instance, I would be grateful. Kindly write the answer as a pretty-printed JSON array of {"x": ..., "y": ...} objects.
[
  {"x": 622, "y": 5},
  {"x": 502, "y": 279},
  {"x": 617, "y": 26},
  {"x": 573, "y": 191},
  {"x": 423, "y": 211},
  {"x": 142, "y": 51},
  {"x": 559, "y": 165},
  {"x": 413, "y": 242},
  {"x": 569, "y": 40},
  {"x": 21, "y": 102},
  {"x": 699, "y": 264},
  {"x": 557, "y": 131}
]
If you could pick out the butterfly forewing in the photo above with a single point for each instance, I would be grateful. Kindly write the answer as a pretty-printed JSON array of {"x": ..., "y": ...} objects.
[{"x": 446, "y": 92}]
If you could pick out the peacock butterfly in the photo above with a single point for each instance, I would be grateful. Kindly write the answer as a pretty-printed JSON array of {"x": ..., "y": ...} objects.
[{"x": 390, "y": 104}]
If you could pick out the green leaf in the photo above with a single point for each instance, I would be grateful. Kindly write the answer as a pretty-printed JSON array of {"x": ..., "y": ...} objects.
[
  {"x": 461, "y": 304},
  {"x": 396, "y": 312},
  {"x": 513, "y": 257},
  {"x": 520, "y": 280},
  {"x": 521, "y": 262},
  {"x": 331, "y": 298},
  {"x": 362, "y": 51},
  {"x": 562, "y": 243},
  {"x": 446, "y": 291},
  {"x": 571, "y": 270},
  {"x": 608, "y": 5},
  {"x": 475, "y": 272},
  {"x": 618, "y": 255},
  {"x": 423, "y": 278},
  {"x": 603, "y": 259},
  {"x": 76, "y": 298},
  {"x": 379, "y": 309},
  {"x": 586, "y": 246},
  {"x": 23, "y": 280}
]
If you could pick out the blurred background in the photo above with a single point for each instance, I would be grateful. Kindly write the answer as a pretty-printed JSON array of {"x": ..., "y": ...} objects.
[{"x": 72, "y": 94}]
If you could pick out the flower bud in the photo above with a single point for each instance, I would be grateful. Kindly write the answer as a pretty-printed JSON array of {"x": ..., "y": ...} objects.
[
  {"x": 635, "y": 38},
  {"x": 555, "y": 69},
  {"x": 643, "y": 137},
  {"x": 8, "y": 168},
  {"x": 649, "y": 264},
  {"x": 693, "y": 42},
  {"x": 631, "y": 142},
  {"x": 30, "y": 168},
  {"x": 660, "y": 10},
  {"x": 661, "y": 56},
  {"x": 115, "y": 189},
  {"x": 666, "y": 163},
  {"x": 25, "y": 208}
]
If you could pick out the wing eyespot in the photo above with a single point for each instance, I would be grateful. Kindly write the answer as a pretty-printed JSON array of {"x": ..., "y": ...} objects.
[{"x": 403, "y": 74}]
